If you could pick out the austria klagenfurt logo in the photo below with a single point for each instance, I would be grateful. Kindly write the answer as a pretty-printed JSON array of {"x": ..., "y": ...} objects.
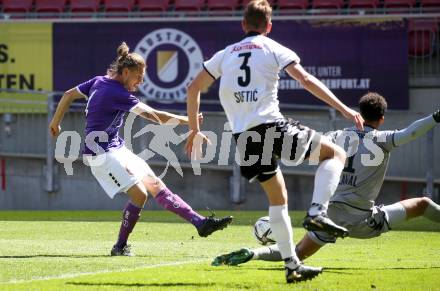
[{"x": 173, "y": 59}]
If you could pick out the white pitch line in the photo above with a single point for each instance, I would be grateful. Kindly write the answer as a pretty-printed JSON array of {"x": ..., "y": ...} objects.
[{"x": 74, "y": 275}]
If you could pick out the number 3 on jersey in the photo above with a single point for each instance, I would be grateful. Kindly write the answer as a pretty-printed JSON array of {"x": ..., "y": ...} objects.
[{"x": 243, "y": 82}]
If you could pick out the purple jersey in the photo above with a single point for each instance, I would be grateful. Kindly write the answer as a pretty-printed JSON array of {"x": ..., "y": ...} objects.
[{"x": 107, "y": 103}]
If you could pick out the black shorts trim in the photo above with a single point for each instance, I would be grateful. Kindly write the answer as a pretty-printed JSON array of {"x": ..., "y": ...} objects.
[{"x": 208, "y": 72}]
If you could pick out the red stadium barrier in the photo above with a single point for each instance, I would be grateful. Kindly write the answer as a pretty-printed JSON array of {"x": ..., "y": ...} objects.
[{"x": 86, "y": 8}]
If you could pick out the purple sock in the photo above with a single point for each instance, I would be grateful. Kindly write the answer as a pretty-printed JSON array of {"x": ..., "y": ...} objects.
[
  {"x": 174, "y": 203},
  {"x": 130, "y": 216}
]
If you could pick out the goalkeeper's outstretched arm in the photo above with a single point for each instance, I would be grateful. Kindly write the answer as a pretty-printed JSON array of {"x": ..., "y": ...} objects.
[{"x": 416, "y": 129}]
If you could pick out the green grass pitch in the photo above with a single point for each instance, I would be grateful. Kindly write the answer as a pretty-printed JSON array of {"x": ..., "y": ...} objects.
[{"x": 69, "y": 251}]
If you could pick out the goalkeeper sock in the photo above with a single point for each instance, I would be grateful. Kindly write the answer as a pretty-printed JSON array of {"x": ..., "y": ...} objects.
[
  {"x": 130, "y": 216},
  {"x": 172, "y": 202}
]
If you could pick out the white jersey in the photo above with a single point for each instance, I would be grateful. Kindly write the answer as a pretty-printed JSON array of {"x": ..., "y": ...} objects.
[
  {"x": 249, "y": 80},
  {"x": 365, "y": 168}
]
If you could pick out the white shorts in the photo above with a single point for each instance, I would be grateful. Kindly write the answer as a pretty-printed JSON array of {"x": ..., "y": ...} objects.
[{"x": 119, "y": 170}]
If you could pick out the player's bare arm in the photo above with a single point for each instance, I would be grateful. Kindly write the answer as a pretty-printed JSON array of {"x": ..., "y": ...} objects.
[
  {"x": 202, "y": 82},
  {"x": 159, "y": 116},
  {"x": 318, "y": 89},
  {"x": 68, "y": 97}
]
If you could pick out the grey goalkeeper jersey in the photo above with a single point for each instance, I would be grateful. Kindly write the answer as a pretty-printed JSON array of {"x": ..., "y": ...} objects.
[{"x": 368, "y": 153}]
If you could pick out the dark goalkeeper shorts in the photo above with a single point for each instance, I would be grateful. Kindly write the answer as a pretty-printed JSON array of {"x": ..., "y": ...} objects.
[{"x": 261, "y": 147}]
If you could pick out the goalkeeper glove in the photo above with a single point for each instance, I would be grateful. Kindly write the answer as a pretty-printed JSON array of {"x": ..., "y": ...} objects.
[{"x": 436, "y": 115}]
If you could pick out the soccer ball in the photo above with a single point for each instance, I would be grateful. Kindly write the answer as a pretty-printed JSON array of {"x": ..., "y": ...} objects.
[{"x": 262, "y": 231}]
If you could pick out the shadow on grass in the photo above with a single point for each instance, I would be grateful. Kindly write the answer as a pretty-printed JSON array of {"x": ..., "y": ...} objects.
[
  {"x": 177, "y": 284},
  {"x": 330, "y": 269},
  {"x": 73, "y": 256},
  {"x": 341, "y": 269}
]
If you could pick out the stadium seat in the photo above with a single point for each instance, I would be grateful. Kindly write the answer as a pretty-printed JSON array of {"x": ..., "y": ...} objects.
[
  {"x": 430, "y": 4},
  {"x": 292, "y": 4},
  {"x": 118, "y": 5},
  {"x": 422, "y": 34},
  {"x": 84, "y": 6},
  {"x": 153, "y": 5},
  {"x": 400, "y": 4},
  {"x": 188, "y": 5},
  {"x": 222, "y": 5},
  {"x": 363, "y": 4},
  {"x": 327, "y": 4},
  {"x": 50, "y": 6},
  {"x": 17, "y": 6}
]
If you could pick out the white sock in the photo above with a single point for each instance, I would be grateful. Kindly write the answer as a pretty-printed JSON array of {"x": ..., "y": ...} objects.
[
  {"x": 432, "y": 212},
  {"x": 282, "y": 232},
  {"x": 326, "y": 181},
  {"x": 395, "y": 213}
]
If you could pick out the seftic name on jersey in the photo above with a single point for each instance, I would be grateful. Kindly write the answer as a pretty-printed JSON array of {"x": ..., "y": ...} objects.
[
  {"x": 246, "y": 96},
  {"x": 348, "y": 179}
]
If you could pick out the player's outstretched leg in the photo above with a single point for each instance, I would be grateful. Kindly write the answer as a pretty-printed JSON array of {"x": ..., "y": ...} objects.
[
  {"x": 234, "y": 258},
  {"x": 212, "y": 224},
  {"x": 266, "y": 253},
  {"x": 204, "y": 225}
]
